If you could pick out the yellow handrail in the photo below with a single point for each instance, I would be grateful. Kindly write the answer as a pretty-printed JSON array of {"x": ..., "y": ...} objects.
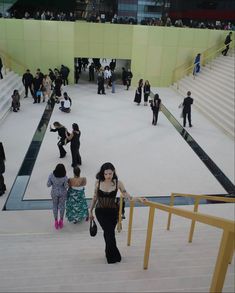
[
  {"x": 119, "y": 224},
  {"x": 8, "y": 60},
  {"x": 205, "y": 57},
  {"x": 227, "y": 244},
  {"x": 197, "y": 199}
]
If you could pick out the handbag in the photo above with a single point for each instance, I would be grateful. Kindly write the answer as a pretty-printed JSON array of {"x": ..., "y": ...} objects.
[{"x": 93, "y": 228}]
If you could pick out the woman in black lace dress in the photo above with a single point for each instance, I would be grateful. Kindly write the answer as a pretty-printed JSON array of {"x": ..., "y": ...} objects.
[{"x": 106, "y": 211}]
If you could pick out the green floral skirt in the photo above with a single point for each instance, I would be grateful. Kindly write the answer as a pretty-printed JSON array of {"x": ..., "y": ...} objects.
[{"x": 76, "y": 205}]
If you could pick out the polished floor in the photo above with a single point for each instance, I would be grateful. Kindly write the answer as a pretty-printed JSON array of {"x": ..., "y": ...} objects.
[{"x": 150, "y": 160}]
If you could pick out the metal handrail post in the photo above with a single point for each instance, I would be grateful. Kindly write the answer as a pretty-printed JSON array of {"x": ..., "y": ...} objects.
[
  {"x": 169, "y": 215},
  {"x": 119, "y": 225},
  {"x": 149, "y": 237},
  {"x": 223, "y": 258},
  {"x": 196, "y": 204},
  {"x": 132, "y": 204}
]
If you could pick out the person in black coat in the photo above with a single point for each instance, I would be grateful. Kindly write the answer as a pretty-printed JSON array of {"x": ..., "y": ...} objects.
[
  {"x": 62, "y": 131},
  {"x": 155, "y": 105},
  {"x": 74, "y": 139},
  {"x": 27, "y": 80},
  {"x": 188, "y": 101},
  {"x": 37, "y": 88},
  {"x": 146, "y": 92},
  {"x": 1, "y": 66},
  {"x": 2, "y": 169},
  {"x": 138, "y": 92},
  {"x": 227, "y": 41}
]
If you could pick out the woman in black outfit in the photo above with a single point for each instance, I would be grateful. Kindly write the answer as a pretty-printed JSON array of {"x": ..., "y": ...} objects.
[
  {"x": 106, "y": 211},
  {"x": 155, "y": 106},
  {"x": 62, "y": 134},
  {"x": 138, "y": 92},
  {"x": 146, "y": 92},
  {"x": 74, "y": 139},
  {"x": 2, "y": 169}
]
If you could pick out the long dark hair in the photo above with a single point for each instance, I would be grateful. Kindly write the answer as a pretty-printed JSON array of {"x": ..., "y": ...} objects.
[
  {"x": 106, "y": 166},
  {"x": 59, "y": 171},
  {"x": 75, "y": 127}
]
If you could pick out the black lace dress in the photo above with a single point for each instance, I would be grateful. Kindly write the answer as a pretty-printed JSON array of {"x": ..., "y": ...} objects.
[{"x": 107, "y": 214}]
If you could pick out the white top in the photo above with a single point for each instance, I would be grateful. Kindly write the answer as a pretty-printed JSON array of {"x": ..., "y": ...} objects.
[{"x": 67, "y": 104}]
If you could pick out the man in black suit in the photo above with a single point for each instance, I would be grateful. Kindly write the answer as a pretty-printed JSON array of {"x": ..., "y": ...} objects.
[
  {"x": 1, "y": 66},
  {"x": 188, "y": 101},
  {"x": 27, "y": 80},
  {"x": 227, "y": 41}
]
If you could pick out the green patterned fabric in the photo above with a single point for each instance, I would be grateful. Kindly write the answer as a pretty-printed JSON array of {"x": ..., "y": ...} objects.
[{"x": 76, "y": 205}]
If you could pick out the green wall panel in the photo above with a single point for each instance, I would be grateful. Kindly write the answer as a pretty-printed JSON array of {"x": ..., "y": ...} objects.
[
  {"x": 49, "y": 30},
  {"x": 154, "y": 51},
  {"x": 14, "y": 29},
  {"x": 32, "y": 55},
  {"x": 32, "y": 32},
  {"x": 66, "y": 31}
]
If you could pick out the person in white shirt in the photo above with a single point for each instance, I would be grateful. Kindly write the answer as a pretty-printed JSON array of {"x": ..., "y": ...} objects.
[{"x": 66, "y": 104}]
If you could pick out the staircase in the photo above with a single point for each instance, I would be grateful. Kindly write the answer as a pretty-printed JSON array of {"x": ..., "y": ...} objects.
[
  {"x": 8, "y": 84},
  {"x": 213, "y": 91},
  {"x": 36, "y": 258}
]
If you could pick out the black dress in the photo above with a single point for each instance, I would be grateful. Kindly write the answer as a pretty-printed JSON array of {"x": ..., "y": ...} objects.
[
  {"x": 107, "y": 215},
  {"x": 74, "y": 147},
  {"x": 138, "y": 95}
]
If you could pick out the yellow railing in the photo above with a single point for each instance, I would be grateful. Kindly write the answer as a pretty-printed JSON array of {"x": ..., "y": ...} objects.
[
  {"x": 187, "y": 67},
  {"x": 227, "y": 244},
  {"x": 11, "y": 63},
  {"x": 119, "y": 224},
  {"x": 197, "y": 199}
]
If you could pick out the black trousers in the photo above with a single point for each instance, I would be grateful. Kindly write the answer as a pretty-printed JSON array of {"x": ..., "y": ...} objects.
[
  {"x": 27, "y": 87},
  {"x": 187, "y": 115},
  {"x": 155, "y": 116},
  {"x": 60, "y": 145},
  {"x": 101, "y": 88},
  {"x": 107, "y": 217},
  {"x": 1, "y": 76},
  {"x": 76, "y": 158},
  {"x": 225, "y": 51}
]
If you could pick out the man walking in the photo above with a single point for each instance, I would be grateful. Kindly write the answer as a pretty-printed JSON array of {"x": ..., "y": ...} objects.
[
  {"x": 227, "y": 41},
  {"x": 27, "y": 80},
  {"x": 188, "y": 101},
  {"x": 1, "y": 66}
]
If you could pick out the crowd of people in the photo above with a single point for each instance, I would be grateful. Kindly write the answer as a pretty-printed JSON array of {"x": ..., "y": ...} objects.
[{"x": 55, "y": 15}]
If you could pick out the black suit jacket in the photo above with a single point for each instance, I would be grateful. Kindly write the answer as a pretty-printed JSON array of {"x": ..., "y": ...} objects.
[{"x": 188, "y": 101}]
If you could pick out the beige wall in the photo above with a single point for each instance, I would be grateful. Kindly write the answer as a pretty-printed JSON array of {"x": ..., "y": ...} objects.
[{"x": 154, "y": 51}]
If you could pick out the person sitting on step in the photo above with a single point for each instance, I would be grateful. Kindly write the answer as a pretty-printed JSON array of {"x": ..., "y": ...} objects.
[{"x": 65, "y": 104}]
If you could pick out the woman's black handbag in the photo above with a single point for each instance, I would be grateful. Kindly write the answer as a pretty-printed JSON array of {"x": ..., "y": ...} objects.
[{"x": 93, "y": 228}]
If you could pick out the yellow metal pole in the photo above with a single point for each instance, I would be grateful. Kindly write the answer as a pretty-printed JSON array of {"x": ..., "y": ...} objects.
[
  {"x": 169, "y": 215},
  {"x": 196, "y": 203},
  {"x": 119, "y": 225},
  {"x": 148, "y": 237},
  {"x": 226, "y": 246},
  {"x": 132, "y": 204}
]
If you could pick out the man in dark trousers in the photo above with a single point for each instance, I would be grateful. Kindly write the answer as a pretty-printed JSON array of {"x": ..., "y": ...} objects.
[
  {"x": 92, "y": 72},
  {"x": 188, "y": 101},
  {"x": 27, "y": 80},
  {"x": 2, "y": 169},
  {"x": 1, "y": 66},
  {"x": 227, "y": 41}
]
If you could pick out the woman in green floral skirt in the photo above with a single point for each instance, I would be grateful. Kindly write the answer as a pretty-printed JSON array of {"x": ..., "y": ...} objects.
[{"x": 76, "y": 205}]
